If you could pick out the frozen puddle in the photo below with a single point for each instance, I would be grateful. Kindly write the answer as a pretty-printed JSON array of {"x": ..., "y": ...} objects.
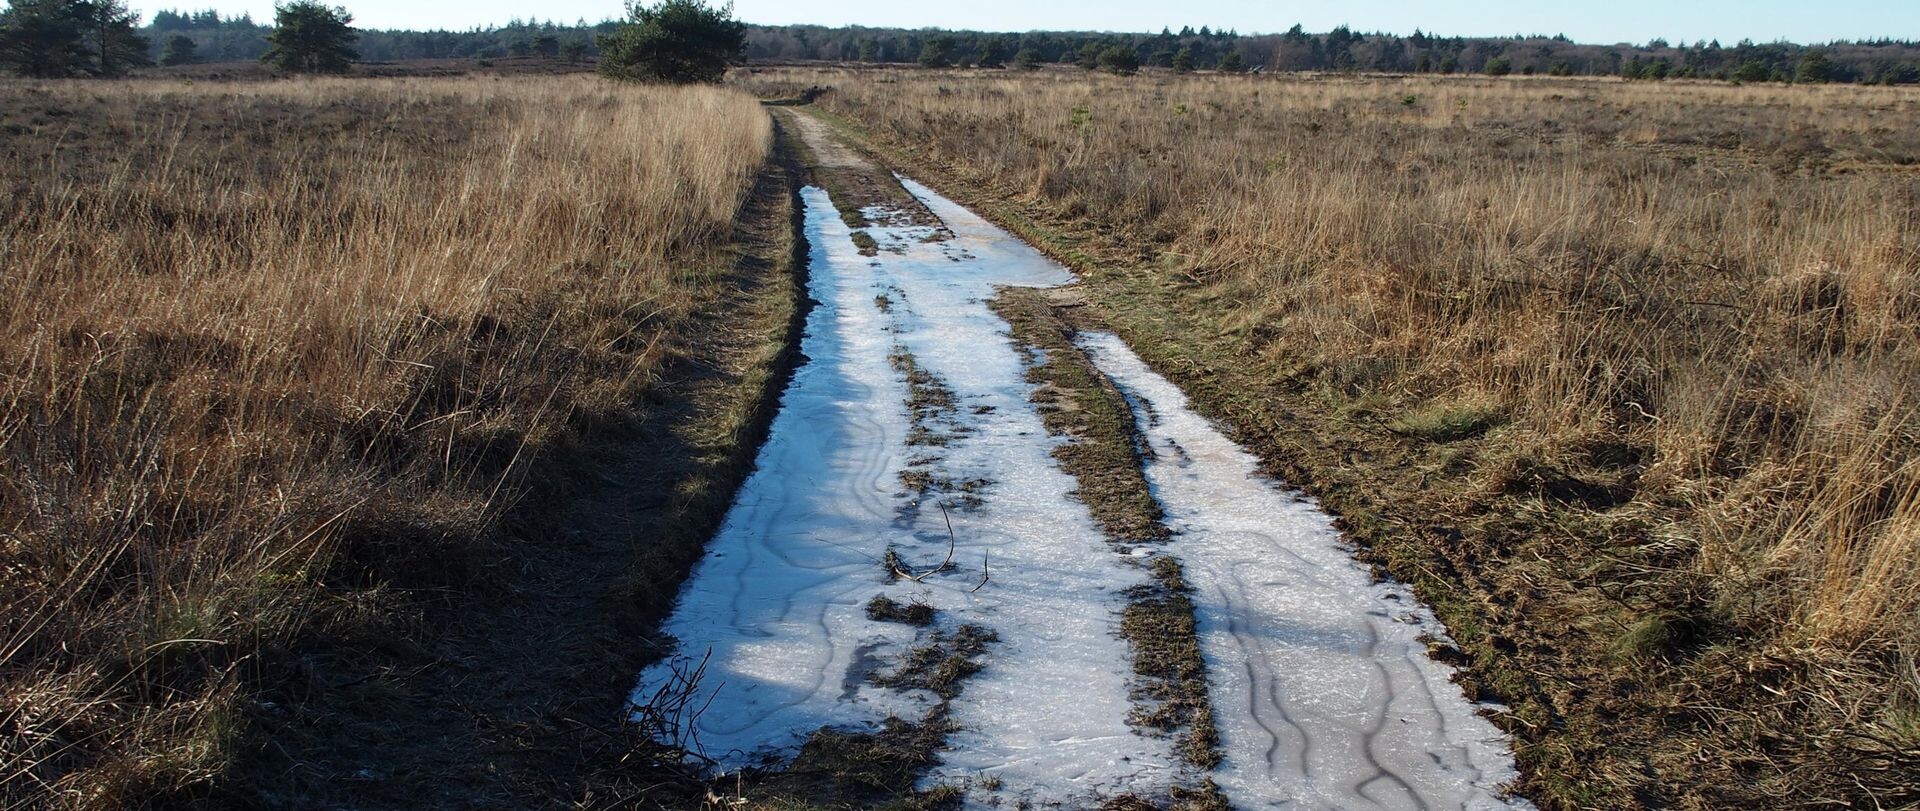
[
  {"x": 914, "y": 398},
  {"x": 780, "y": 598},
  {"x": 1323, "y": 692}
]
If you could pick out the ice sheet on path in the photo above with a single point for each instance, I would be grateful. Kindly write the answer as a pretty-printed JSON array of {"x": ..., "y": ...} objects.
[
  {"x": 1047, "y": 717},
  {"x": 779, "y": 598},
  {"x": 1323, "y": 692}
]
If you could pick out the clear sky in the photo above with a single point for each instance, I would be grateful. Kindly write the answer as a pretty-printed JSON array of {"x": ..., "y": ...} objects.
[{"x": 1599, "y": 21}]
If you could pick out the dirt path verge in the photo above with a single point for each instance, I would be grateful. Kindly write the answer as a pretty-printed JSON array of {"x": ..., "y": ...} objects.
[
  {"x": 512, "y": 694},
  {"x": 1367, "y": 478},
  {"x": 856, "y": 181}
]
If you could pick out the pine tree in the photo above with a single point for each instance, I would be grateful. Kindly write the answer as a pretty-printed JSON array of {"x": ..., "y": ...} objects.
[
  {"x": 993, "y": 55},
  {"x": 677, "y": 41},
  {"x": 54, "y": 38},
  {"x": 1815, "y": 68},
  {"x": 1183, "y": 60},
  {"x": 114, "y": 31},
  {"x": 1120, "y": 61},
  {"x": 936, "y": 52},
  {"x": 309, "y": 37},
  {"x": 180, "y": 50},
  {"x": 43, "y": 39},
  {"x": 1089, "y": 56}
]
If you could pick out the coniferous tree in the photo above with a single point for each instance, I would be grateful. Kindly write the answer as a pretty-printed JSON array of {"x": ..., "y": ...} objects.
[
  {"x": 180, "y": 50},
  {"x": 1815, "y": 68},
  {"x": 43, "y": 39},
  {"x": 993, "y": 55},
  {"x": 1119, "y": 60},
  {"x": 1088, "y": 57},
  {"x": 677, "y": 41},
  {"x": 54, "y": 38},
  {"x": 936, "y": 52},
  {"x": 1183, "y": 60},
  {"x": 309, "y": 37},
  {"x": 113, "y": 31}
]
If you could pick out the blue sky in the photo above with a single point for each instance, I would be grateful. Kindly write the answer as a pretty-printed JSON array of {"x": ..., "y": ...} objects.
[{"x": 1603, "y": 21}]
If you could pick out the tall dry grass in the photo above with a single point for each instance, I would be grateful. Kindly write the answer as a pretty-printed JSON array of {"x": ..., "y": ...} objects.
[
  {"x": 1697, "y": 306},
  {"x": 268, "y": 351}
]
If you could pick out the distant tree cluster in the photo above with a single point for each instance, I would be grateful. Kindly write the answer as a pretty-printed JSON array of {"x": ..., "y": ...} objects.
[
  {"x": 61, "y": 38},
  {"x": 206, "y": 36},
  {"x": 38, "y": 37},
  {"x": 239, "y": 38},
  {"x": 1343, "y": 49}
]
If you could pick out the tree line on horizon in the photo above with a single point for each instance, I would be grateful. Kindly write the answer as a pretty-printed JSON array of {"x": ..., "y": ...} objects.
[
  {"x": 50, "y": 39},
  {"x": 1888, "y": 61},
  {"x": 672, "y": 41},
  {"x": 182, "y": 37}
]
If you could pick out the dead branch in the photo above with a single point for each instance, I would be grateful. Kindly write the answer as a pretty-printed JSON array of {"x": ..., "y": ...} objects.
[{"x": 952, "y": 543}]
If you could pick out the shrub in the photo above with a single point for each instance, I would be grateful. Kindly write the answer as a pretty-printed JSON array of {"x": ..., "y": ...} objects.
[
  {"x": 1088, "y": 57},
  {"x": 1815, "y": 68},
  {"x": 1119, "y": 60},
  {"x": 1753, "y": 70},
  {"x": 1499, "y": 66}
]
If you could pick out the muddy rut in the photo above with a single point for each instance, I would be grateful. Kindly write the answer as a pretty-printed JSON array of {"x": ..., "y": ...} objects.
[{"x": 909, "y": 554}]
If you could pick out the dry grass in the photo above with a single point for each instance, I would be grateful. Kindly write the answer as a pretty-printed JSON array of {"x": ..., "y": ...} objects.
[
  {"x": 273, "y": 356},
  {"x": 1664, "y": 339}
]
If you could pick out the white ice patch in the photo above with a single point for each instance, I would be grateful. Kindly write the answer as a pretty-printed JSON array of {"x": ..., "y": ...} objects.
[
  {"x": 779, "y": 598},
  {"x": 1323, "y": 691}
]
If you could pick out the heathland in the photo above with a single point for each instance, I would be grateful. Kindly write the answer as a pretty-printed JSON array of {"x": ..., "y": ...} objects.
[
  {"x": 355, "y": 432},
  {"x": 307, "y": 393},
  {"x": 1622, "y": 377}
]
